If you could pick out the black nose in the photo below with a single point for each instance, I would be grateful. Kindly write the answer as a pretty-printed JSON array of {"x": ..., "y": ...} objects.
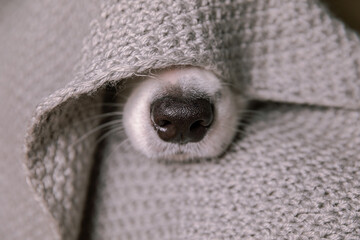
[{"x": 181, "y": 120}]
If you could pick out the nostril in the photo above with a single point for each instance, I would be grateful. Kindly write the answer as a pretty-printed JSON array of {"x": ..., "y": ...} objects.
[
  {"x": 181, "y": 120},
  {"x": 197, "y": 124},
  {"x": 198, "y": 130},
  {"x": 163, "y": 123}
]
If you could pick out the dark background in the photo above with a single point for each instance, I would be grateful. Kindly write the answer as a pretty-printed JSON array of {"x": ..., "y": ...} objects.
[{"x": 346, "y": 10}]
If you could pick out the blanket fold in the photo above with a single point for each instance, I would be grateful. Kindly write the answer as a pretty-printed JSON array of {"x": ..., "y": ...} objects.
[{"x": 293, "y": 52}]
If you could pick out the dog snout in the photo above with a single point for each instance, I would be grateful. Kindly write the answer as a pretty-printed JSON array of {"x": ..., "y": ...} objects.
[{"x": 181, "y": 120}]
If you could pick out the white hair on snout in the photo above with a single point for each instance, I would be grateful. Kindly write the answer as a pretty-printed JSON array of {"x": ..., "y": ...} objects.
[{"x": 139, "y": 127}]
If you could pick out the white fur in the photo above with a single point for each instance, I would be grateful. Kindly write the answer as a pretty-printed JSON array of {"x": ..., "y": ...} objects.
[{"x": 139, "y": 128}]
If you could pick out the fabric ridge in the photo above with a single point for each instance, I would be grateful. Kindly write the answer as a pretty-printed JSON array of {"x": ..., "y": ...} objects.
[
  {"x": 275, "y": 183},
  {"x": 297, "y": 165}
]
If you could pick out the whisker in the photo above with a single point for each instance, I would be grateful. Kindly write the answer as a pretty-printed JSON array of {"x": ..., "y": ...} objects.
[
  {"x": 240, "y": 131},
  {"x": 232, "y": 145},
  {"x": 111, "y": 113},
  {"x": 119, "y": 130},
  {"x": 117, "y": 148},
  {"x": 237, "y": 130},
  {"x": 100, "y": 116},
  {"x": 100, "y": 127},
  {"x": 122, "y": 97},
  {"x": 140, "y": 75},
  {"x": 249, "y": 114},
  {"x": 108, "y": 114},
  {"x": 113, "y": 104},
  {"x": 99, "y": 105},
  {"x": 149, "y": 75}
]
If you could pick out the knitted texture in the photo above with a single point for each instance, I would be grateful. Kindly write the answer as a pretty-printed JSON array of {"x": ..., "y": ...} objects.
[
  {"x": 277, "y": 182},
  {"x": 40, "y": 42},
  {"x": 294, "y": 159}
]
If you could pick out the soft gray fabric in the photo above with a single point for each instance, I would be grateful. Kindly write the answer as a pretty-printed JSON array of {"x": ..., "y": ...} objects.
[
  {"x": 40, "y": 42},
  {"x": 278, "y": 182},
  {"x": 293, "y": 175}
]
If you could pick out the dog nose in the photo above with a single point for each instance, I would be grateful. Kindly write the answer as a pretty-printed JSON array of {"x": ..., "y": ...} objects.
[{"x": 181, "y": 120}]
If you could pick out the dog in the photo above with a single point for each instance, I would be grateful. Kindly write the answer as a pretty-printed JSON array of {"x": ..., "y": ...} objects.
[{"x": 182, "y": 114}]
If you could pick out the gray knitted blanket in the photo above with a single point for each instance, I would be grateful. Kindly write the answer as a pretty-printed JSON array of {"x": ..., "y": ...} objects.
[{"x": 294, "y": 174}]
